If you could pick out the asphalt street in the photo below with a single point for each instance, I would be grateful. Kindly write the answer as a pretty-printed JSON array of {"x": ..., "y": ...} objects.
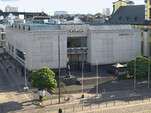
[{"x": 6, "y": 78}]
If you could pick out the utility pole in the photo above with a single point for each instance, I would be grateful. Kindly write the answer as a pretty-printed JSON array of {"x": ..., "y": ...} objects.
[{"x": 59, "y": 64}]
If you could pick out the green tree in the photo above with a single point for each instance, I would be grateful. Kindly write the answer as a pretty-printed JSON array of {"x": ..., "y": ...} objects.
[
  {"x": 43, "y": 78},
  {"x": 141, "y": 66},
  {"x": 98, "y": 14}
]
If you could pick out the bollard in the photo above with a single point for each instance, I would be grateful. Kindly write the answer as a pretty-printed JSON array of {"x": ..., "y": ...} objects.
[
  {"x": 90, "y": 106},
  {"x": 73, "y": 108},
  {"x": 98, "y": 105},
  {"x": 60, "y": 110},
  {"x": 114, "y": 103},
  {"x": 82, "y": 96},
  {"x": 106, "y": 104},
  {"x": 82, "y": 107}
]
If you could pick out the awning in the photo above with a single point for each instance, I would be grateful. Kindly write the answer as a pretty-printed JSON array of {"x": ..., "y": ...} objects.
[{"x": 118, "y": 65}]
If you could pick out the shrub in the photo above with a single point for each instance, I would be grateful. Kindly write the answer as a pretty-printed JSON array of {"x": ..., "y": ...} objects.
[
  {"x": 111, "y": 71},
  {"x": 141, "y": 66},
  {"x": 125, "y": 76}
]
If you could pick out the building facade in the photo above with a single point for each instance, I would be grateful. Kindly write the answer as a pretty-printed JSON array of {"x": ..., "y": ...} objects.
[
  {"x": 106, "y": 44},
  {"x": 11, "y": 9}
]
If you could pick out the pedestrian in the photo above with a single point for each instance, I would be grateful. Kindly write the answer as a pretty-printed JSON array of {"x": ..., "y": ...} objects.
[
  {"x": 7, "y": 70},
  {"x": 15, "y": 70},
  {"x": 40, "y": 98}
]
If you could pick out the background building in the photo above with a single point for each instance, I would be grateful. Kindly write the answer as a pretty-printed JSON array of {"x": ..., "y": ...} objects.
[
  {"x": 58, "y": 13},
  {"x": 11, "y": 9},
  {"x": 106, "y": 11}
]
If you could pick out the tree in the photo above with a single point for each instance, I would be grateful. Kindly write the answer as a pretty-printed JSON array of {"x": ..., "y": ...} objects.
[
  {"x": 141, "y": 66},
  {"x": 43, "y": 78},
  {"x": 98, "y": 14}
]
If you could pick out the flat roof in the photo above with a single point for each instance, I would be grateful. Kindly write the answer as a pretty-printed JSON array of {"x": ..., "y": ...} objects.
[{"x": 109, "y": 27}]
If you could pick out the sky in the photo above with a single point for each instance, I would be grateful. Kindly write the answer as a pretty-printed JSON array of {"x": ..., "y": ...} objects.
[{"x": 71, "y": 6}]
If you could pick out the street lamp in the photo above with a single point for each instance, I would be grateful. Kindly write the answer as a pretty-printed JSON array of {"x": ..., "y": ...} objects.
[
  {"x": 59, "y": 64},
  {"x": 25, "y": 88}
]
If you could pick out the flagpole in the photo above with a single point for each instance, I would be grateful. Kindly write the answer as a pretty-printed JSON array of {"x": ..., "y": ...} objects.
[
  {"x": 135, "y": 74},
  {"x": 149, "y": 73},
  {"x": 97, "y": 78},
  {"x": 82, "y": 80}
]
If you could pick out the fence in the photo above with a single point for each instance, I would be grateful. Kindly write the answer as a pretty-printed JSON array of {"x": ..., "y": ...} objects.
[
  {"x": 109, "y": 104},
  {"x": 92, "y": 102}
]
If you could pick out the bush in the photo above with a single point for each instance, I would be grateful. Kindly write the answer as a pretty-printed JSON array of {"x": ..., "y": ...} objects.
[
  {"x": 125, "y": 76},
  {"x": 141, "y": 66},
  {"x": 111, "y": 71}
]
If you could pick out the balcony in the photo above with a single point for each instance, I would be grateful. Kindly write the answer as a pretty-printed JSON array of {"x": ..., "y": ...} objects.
[{"x": 77, "y": 50}]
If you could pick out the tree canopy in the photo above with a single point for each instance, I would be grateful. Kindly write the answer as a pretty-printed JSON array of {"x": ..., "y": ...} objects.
[
  {"x": 98, "y": 14},
  {"x": 43, "y": 78},
  {"x": 142, "y": 66}
]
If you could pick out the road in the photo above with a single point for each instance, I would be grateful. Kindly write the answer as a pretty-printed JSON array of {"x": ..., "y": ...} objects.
[{"x": 6, "y": 78}]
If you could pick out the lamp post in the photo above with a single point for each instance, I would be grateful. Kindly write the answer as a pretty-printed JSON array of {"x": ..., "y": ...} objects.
[
  {"x": 59, "y": 64},
  {"x": 25, "y": 88}
]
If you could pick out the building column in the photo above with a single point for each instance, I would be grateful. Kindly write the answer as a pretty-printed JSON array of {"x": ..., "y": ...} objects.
[{"x": 145, "y": 41}]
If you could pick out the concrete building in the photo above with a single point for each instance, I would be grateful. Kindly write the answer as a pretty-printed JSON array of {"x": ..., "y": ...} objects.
[
  {"x": 11, "y": 9},
  {"x": 106, "y": 44}
]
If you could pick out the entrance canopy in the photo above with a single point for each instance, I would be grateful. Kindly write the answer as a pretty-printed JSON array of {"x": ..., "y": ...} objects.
[{"x": 118, "y": 65}]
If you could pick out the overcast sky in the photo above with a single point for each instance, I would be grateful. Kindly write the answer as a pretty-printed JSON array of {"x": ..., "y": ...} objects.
[{"x": 71, "y": 6}]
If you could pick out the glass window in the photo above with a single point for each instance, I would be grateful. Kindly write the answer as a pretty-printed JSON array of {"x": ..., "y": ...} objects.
[
  {"x": 20, "y": 54},
  {"x": 142, "y": 33},
  {"x": 120, "y": 18},
  {"x": 127, "y": 18},
  {"x": 76, "y": 42},
  {"x": 12, "y": 48},
  {"x": 150, "y": 12},
  {"x": 135, "y": 19},
  {"x": 77, "y": 57},
  {"x": 9, "y": 46}
]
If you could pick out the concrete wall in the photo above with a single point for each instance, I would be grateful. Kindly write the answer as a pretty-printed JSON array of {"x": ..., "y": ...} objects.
[
  {"x": 113, "y": 46},
  {"x": 41, "y": 47},
  {"x": 77, "y": 30}
]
